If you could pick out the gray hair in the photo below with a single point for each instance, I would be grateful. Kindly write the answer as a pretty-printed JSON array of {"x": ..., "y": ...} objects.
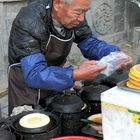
[{"x": 67, "y": 1}]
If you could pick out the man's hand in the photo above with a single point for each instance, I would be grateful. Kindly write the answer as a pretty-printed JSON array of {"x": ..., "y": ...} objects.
[
  {"x": 127, "y": 62},
  {"x": 87, "y": 70}
]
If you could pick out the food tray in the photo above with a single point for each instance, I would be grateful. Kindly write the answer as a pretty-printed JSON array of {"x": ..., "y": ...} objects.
[
  {"x": 123, "y": 86},
  {"x": 90, "y": 131}
]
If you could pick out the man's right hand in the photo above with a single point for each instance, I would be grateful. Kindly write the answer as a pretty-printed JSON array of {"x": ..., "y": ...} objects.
[{"x": 88, "y": 70}]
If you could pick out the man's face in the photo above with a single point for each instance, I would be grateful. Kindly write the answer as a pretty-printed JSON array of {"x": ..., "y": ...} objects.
[{"x": 70, "y": 15}]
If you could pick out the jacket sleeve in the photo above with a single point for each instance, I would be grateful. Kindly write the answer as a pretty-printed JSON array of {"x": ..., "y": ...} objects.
[
  {"x": 93, "y": 48},
  {"x": 27, "y": 35},
  {"x": 38, "y": 74}
]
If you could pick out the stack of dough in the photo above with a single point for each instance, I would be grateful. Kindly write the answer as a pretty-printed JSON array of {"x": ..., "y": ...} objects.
[{"x": 134, "y": 77}]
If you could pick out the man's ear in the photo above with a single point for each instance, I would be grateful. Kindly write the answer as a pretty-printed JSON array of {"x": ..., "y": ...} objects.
[{"x": 58, "y": 4}]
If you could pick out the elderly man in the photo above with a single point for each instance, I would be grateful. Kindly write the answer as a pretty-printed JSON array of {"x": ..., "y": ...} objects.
[{"x": 40, "y": 41}]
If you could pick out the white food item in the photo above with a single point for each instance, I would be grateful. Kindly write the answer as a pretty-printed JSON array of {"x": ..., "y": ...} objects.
[
  {"x": 34, "y": 120},
  {"x": 113, "y": 61}
]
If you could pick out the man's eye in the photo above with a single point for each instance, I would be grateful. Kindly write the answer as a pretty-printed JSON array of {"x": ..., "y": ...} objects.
[{"x": 78, "y": 13}]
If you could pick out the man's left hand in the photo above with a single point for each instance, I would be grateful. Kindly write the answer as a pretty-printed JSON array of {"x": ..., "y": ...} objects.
[{"x": 127, "y": 62}]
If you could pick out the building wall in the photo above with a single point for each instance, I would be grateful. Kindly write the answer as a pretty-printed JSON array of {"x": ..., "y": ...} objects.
[
  {"x": 8, "y": 11},
  {"x": 108, "y": 19}
]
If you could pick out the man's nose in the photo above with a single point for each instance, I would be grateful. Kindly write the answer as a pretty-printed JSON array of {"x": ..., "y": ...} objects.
[{"x": 81, "y": 17}]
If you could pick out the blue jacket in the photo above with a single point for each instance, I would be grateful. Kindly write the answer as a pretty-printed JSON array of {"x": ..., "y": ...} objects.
[
  {"x": 37, "y": 74},
  {"x": 27, "y": 43}
]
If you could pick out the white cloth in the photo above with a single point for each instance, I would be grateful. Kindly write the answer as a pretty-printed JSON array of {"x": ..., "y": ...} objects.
[{"x": 19, "y": 109}]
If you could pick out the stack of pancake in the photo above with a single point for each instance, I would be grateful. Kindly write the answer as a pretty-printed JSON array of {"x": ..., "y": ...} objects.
[{"x": 134, "y": 77}]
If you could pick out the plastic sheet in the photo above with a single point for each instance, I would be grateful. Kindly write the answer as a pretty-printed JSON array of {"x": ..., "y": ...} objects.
[{"x": 113, "y": 61}]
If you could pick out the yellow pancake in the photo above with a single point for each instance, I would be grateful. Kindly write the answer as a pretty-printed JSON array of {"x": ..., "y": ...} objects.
[
  {"x": 34, "y": 120},
  {"x": 96, "y": 118},
  {"x": 135, "y": 70},
  {"x": 133, "y": 77},
  {"x": 134, "y": 82},
  {"x": 130, "y": 85}
]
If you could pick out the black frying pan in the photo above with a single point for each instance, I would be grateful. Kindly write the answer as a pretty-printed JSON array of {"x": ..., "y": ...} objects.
[{"x": 15, "y": 123}]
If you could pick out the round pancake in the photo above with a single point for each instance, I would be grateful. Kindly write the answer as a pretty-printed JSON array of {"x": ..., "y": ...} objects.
[
  {"x": 34, "y": 120},
  {"x": 134, "y": 82},
  {"x": 96, "y": 118},
  {"x": 133, "y": 77},
  {"x": 130, "y": 85},
  {"x": 135, "y": 70}
]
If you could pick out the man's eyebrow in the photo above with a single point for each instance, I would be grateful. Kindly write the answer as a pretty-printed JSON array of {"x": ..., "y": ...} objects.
[{"x": 84, "y": 10}]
